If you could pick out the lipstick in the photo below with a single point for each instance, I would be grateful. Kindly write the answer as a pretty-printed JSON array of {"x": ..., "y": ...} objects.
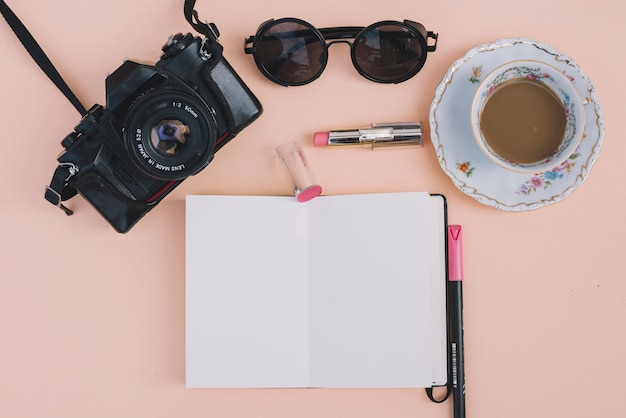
[{"x": 378, "y": 135}]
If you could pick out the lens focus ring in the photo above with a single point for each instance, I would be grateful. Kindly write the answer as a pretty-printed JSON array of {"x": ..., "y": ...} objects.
[{"x": 170, "y": 134}]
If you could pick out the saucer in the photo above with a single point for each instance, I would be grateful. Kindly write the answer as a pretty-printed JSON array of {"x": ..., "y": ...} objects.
[{"x": 473, "y": 172}]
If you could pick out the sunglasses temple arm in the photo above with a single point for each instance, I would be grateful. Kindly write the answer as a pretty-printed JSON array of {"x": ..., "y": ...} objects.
[
  {"x": 435, "y": 36},
  {"x": 426, "y": 34},
  {"x": 248, "y": 49}
]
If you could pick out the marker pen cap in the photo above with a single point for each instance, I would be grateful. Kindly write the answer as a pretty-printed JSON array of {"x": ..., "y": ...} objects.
[{"x": 295, "y": 162}]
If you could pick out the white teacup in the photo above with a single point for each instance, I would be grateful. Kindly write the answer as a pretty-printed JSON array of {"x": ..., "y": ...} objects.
[{"x": 527, "y": 116}]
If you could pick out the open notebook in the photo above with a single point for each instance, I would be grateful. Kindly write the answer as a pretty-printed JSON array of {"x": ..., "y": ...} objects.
[{"x": 343, "y": 291}]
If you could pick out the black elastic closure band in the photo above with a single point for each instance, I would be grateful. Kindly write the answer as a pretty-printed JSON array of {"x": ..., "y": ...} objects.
[{"x": 431, "y": 396}]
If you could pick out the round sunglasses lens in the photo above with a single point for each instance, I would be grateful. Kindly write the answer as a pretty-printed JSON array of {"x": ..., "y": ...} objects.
[
  {"x": 389, "y": 53},
  {"x": 291, "y": 52}
]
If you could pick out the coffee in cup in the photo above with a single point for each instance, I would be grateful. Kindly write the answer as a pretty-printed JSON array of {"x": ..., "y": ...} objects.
[{"x": 527, "y": 116}]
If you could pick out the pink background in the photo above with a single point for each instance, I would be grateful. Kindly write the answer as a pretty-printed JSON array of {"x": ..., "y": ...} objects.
[{"x": 92, "y": 322}]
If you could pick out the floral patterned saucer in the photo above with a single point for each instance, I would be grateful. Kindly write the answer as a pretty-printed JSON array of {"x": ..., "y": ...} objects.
[{"x": 473, "y": 172}]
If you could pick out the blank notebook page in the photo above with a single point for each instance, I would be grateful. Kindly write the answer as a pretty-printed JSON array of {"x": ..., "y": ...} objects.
[
  {"x": 369, "y": 287},
  {"x": 335, "y": 292}
]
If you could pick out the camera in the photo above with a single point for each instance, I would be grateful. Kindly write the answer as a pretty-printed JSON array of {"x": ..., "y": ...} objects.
[{"x": 161, "y": 124}]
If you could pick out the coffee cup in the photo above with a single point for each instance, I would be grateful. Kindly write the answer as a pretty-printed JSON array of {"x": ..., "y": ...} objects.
[{"x": 527, "y": 116}]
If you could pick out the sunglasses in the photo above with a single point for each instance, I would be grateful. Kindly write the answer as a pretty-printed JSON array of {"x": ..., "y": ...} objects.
[{"x": 292, "y": 52}]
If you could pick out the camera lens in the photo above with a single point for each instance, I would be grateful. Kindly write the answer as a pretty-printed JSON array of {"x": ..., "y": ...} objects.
[{"x": 170, "y": 134}]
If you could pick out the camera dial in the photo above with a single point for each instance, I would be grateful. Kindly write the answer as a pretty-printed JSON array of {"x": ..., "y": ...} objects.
[{"x": 175, "y": 44}]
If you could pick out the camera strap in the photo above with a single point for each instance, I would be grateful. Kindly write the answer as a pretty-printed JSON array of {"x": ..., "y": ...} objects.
[
  {"x": 209, "y": 30},
  {"x": 39, "y": 56},
  {"x": 59, "y": 189}
]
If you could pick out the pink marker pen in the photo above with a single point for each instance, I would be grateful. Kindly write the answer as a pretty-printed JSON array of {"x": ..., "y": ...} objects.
[
  {"x": 455, "y": 294},
  {"x": 378, "y": 135}
]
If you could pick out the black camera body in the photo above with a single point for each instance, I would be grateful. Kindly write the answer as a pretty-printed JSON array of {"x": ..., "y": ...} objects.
[{"x": 162, "y": 123}]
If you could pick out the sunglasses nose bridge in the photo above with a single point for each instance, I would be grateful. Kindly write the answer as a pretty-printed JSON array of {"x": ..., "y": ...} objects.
[{"x": 339, "y": 41}]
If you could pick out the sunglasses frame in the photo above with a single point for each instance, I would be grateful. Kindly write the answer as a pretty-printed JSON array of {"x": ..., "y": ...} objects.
[{"x": 342, "y": 34}]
